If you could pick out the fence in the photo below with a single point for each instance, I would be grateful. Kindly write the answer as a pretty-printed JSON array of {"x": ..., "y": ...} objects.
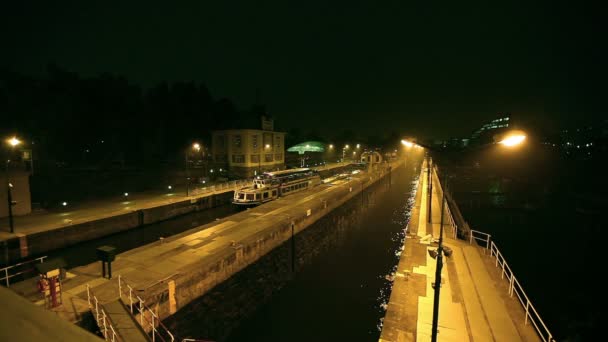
[
  {"x": 19, "y": 270},
  {"x": 514, "y": 285},
  {"x": 101, "y": 318},
  {"x": 226, "y": 186},
  {"x": 157, "y": 328}
]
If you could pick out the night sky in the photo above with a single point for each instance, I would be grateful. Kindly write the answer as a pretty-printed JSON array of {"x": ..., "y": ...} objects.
[{"x": 418, "y": 66}]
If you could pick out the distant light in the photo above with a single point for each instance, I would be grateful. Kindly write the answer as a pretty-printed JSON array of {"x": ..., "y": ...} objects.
[
  {"x": 358, "y": 145},
  {"x": 13, "y": 141},
  {"x": 346, "y": 147},
  {"x": 87, "y": 151},
  {"x": 407, "y": 143},
  {"x": 211, "y": 171},
  {"x": 513, "y": 140},
  {"x": 196, "y": 146},
  {"x": 354, "y": 153},
  {"x": 10, "y": 185},
  {"x": 221, "y": 170},
  {"x": 102, "y": 141},
  {"x": 203, "y": 182},
  {"x": 267, "y": 146},
  {"x": 307, "y": 146},
  {"x": 169, "y": 187},
  {"x": 331, "y": 145},
  {"x": 64, "y": 204},
  {"x": 126, "y": 194}
]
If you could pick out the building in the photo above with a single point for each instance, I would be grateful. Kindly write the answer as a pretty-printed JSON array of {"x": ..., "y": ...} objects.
[
  {"x": 20, "y": 192},
  {"x": 486, "y": 132},
  {"x": 247, "y": 152}
]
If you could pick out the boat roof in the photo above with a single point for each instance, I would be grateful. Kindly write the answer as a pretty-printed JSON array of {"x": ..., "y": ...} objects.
[{"x": 286, "y": 172}]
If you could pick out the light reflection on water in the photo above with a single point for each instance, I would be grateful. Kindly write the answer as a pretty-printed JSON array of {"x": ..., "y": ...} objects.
[{"x": 401, "y": 217}]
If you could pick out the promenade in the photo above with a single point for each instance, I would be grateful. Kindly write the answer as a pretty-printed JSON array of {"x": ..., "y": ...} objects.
[
  {"x": 474, "y": 303},
  {"x": 183, "y": 267},
  {"x": 39, "y": 222}
]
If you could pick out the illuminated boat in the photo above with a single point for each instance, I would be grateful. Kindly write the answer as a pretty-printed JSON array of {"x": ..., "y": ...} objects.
[{"x": 272, "y": 185}]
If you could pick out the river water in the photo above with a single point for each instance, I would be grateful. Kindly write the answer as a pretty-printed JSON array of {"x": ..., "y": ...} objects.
[{"x": 340, "y": 293}]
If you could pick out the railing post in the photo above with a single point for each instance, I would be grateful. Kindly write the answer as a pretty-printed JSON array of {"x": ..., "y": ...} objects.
[
  {"x": 119, "y": 287},
  {"x": 153, "y": 329},
  {"x": 141, "y": 311},
  {"x": 471, "y": 238},
  {"x": 6, "y": 275},
  {"x": 131, "y": 299},
  {"x": 105, "y": 327},
  {"x": 96, "y": 310},
  {"x": 527, "y": 312},
  {"x": 89, "y": 296},
  {"x": 512, "y": 284},
  {"x": 502, "y": 274}
]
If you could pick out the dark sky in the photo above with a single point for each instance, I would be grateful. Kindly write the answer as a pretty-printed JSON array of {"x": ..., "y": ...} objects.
[{"x": 414, "y": 66}]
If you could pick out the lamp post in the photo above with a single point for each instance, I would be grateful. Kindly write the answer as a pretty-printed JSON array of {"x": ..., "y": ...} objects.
[
  {"x": 346, "y": 147},
  {"x": 511, "y": 139},
  {"x": 12, "y": 142},
  {"x": 196, "y": 147}
]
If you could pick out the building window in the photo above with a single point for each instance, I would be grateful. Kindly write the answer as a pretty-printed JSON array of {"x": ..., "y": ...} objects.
[
  {"x": 236, "y": 140},
  {"x": 278, "y": 142},
  {"x": 278, "y": 156},
  {"x": 220, "y": 158},
  {"x": 220, "y": 139},
  {"x": 255, "y": 158},
  {"x": 254, "y": 141},
  {"x": 268, "y": 158},
  {"x": 238, "y": 158}
]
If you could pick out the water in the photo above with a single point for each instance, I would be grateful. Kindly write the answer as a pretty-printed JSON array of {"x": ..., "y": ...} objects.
[
  {"x": 85, "y": 252},
  {"x": 548, "y": 231},
  {"x": 340, "y": 294}
]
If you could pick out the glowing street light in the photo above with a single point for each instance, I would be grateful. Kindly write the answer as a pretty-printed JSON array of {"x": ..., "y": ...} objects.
[
  {"x": 358, "y": 145},
  {"x": 331, "y": 146},
  {"x": 13, "y": 141},
  {"x": 407, "y": 143},
  {"x": 512, "y": 140},
  {"x": 196, "y": 147}
]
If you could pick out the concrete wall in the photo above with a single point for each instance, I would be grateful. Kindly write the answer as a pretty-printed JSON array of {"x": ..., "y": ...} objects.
[
  {"x": 37, "y": 244},
  {"x": 203, "y": 277}
]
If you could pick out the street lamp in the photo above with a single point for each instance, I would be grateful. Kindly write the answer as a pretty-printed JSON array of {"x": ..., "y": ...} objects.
[
  {"x": 196, "y": 147},
  {"x": 346, "y": 147},
  {"x": 510, "y": 139},
  {"x": 12, "y": 142}
]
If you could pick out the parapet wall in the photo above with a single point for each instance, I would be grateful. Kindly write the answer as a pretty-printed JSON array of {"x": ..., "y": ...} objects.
[{"x": 202, "y": 276}]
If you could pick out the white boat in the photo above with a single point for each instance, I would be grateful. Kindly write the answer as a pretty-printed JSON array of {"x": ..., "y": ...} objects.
[{"x": 272, "y": 185}]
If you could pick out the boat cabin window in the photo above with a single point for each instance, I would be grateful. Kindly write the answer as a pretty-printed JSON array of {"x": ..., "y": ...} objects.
[
  {"x": 250, "y": 197},
  {"x": 241, "y": 196},
  {"x": 274, "y": 193},
  {"x": 266, "y": 195}
]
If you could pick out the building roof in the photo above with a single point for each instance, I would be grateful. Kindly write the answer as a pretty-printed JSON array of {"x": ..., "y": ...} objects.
[{"x": 308, "y": 146}]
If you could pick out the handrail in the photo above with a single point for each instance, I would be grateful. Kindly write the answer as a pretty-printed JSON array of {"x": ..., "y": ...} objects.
[
  {"x": 103, "y": 323},
  {"x": 142, "y": 310},
  {"x": 221, "y": 186},
  {"x": 5, "y": 270},
  {"x": 514, "y": 286}
]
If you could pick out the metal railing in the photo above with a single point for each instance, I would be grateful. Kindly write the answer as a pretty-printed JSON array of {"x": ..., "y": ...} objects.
[
  {"x": 232, "y": 185},
  {"x": 514, "y": 285},
  {"x": 101, "y": 318},
  {"x": 7, "y": 270},
  {"x": 154, "y": 323}
]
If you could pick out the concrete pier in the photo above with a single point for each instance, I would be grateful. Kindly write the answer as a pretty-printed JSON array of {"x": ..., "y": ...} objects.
[
  {"x": 474, "y": 302},
  {"x": 170, "y": 274}
]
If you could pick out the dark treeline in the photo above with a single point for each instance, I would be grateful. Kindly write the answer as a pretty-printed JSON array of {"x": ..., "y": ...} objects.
[{"x": 107, "y": 119}]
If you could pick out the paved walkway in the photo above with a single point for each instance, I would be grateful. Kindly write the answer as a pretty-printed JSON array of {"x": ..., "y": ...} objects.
[
  {"x": 472, "y": 305},
  {"x": 150, "y": 265},
  {"x": 123, "y": 322},
  {"x": 95, "y": 210}
]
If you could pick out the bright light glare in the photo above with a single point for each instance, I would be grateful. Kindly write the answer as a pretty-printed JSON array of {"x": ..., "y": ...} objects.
[
  {"x": 513, "y": 140},
  {"x": 196, "y": 146},
  {"x": 407, "y": 143},
  {"x": 13, "y": 141},
  {"x": 331, "y": 145}
]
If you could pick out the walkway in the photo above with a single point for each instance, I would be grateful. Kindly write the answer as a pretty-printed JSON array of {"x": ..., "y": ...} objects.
[
  {"x": 123, "y": 322},
  {"x": 472, "y": 303},
  {"x": 94, "y": 210}
]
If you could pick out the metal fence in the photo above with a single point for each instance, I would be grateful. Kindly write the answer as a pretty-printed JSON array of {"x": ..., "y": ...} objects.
[
  {"x": 103, "y": 322},
  {"x": 21, "y": 268},
  {"x": 136, "y": 306},
  {"x": 514, "y": 285},
  {"x": 221, "y": 187}
]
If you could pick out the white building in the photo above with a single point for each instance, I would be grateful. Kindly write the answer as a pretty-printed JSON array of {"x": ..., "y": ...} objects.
[{"x": 247, "y": 152}]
